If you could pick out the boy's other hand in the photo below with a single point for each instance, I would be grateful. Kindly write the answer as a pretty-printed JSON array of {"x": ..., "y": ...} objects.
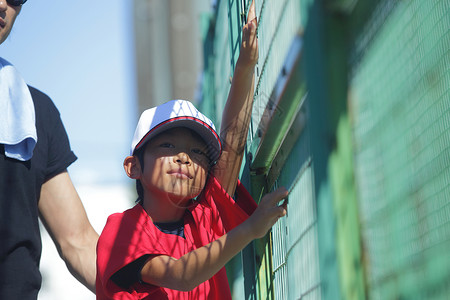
[
  {"x": 267, "y": 213},
  {"x": 249, "y": 47}
]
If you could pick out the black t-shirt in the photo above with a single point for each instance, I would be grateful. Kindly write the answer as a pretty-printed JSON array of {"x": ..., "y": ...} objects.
[{"x": 20, "y": 187}]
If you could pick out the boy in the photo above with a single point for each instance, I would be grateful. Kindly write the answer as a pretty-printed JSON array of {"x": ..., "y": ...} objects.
[{"x": 175, "y": 242}]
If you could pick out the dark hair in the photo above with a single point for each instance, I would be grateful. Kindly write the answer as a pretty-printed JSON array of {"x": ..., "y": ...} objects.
[{"x": 139, "y": 153}]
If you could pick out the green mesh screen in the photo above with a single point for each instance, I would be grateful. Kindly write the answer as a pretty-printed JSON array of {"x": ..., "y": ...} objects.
[
  {"x": 222, "y": 54},
  {"x": 295, "y": 263},
  {"x": 294, "y": 245},
  {"x": 400, "y": 102},
  {"x": 278, "y": 24},
  {"x": 293, "y": 253},
  {"x": 287, "y": 266},
  {"x": 397, "y": 129}
]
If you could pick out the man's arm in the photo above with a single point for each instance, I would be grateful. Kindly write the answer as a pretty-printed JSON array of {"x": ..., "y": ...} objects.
[
  {"x": 238, "y": 109},
  {"x": 199, "y": 265},
  {"x": 64, "y": 217}
]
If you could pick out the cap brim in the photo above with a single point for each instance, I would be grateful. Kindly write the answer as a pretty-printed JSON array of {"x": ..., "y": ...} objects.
[{"x": 209, "y": 135}]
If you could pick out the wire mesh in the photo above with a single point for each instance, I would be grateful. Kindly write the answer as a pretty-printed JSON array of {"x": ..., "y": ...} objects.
[
  {"x": 278, "y": 24},
  {"x": 222, "y": 54},
  {"x": 295, "y": 261},
  {"x": 401, "y": 104}
]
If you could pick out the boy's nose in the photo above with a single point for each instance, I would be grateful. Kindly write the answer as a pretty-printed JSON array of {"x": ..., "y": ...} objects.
[
  {"x": 182, "y": 158},
  {"x": 3, "y": 5}
]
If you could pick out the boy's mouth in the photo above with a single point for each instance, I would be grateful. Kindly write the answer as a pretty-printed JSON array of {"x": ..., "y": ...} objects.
[{"x": 180, "y": 174}]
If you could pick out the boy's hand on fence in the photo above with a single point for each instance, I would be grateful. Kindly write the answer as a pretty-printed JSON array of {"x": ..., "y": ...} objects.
[
  {"x": 249, "y": 48},
  {"x": 267, "y": 213},
  {"x": 237, "y": 112}
]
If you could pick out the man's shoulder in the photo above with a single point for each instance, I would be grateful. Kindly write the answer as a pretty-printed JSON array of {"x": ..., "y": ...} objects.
[
  {"x": 38, "y": 94},
  {"x": 41, "y": 100}
]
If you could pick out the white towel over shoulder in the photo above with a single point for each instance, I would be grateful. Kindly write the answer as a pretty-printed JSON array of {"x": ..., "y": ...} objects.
[{"x": 17, "y": 116}]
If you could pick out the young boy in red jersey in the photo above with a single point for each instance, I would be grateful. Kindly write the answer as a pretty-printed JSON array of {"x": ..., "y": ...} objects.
[{"x": 175, "y": 242}]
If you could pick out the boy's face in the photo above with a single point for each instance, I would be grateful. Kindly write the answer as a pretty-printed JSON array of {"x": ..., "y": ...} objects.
[{"x": 175, "y": 165}]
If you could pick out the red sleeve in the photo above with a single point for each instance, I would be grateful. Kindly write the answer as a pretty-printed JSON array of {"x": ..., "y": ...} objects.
[
  {"x": 231, "y": 212},
  {"x": 123, "y": 240},
  {"x": 244, "y": 200}
]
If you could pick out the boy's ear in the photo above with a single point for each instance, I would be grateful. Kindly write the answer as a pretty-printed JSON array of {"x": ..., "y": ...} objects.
[{"x": 132, "y": 167}]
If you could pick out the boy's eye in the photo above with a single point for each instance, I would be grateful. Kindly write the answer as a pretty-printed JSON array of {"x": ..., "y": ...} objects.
[
  {"x": 167, "y": 145},
  {"x": 198, "y": 151}
]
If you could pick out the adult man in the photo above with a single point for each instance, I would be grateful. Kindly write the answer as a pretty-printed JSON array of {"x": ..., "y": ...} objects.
[{"x": 34, "y": 156}]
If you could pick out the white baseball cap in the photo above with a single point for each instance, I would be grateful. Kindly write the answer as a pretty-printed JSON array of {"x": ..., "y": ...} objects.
[{"x": 176, "y": 113}]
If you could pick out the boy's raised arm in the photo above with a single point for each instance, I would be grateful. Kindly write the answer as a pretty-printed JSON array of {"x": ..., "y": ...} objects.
[{"x": 238, "y": 109}]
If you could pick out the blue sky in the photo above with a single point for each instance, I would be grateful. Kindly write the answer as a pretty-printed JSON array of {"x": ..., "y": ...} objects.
[{"x": 81, "y": 54}]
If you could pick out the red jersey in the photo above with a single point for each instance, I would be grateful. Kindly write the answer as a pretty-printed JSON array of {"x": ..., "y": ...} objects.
[{"x": 129, "y": 235}]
